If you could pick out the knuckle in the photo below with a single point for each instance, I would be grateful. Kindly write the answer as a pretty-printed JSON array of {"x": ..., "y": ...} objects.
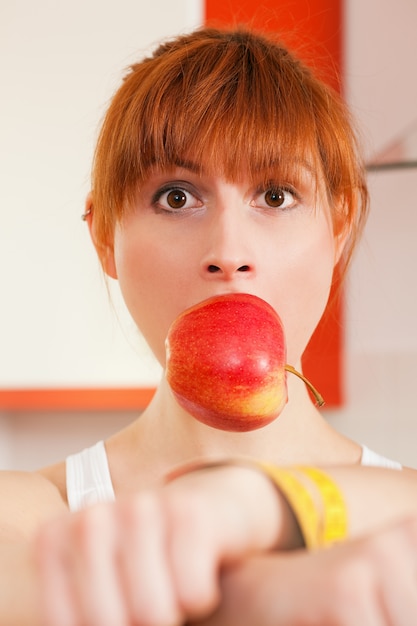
[
  {"x": 141, "y": 513},
  {"x": 188, "y": 509},
  {"x": 90, "y": 526}
]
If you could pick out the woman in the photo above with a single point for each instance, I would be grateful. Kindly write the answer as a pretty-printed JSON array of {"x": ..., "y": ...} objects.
[{"x": 223, "y": 166}]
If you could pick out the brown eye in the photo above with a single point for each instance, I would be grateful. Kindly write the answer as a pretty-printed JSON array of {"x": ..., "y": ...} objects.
[
  {"x": 176, "y": 199},
  {"x": 275, "y": 197}
]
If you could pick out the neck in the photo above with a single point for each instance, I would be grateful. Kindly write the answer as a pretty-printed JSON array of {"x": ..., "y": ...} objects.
[{"x": 299, "y": 434}]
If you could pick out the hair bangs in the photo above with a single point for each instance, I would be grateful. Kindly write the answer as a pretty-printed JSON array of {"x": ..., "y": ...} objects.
[{"x": 236, "y": 111}]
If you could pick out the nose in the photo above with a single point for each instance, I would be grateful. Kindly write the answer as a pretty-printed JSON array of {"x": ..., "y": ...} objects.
[{"x": 227, "y": 253}]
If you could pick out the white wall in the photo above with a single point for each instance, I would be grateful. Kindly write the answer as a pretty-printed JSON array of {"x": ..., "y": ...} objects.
[
  {"x": 382, "y": 296},
  {"x": 59, "y": 65}
]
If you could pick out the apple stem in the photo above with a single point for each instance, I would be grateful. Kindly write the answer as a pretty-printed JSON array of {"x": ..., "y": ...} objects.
[{"x": 316, "y": 394}]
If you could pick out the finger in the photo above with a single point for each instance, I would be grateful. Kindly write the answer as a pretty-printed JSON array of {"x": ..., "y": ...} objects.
[
  {"x": 398, "y": 567},
  {"x": 354, "y": 590},
  {"x": 92, "y": 572},
  {"x": 144, "y": 563},
  {"x": 194, "y": 552}
]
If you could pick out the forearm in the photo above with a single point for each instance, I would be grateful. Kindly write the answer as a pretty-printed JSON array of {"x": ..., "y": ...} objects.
[
  {"x": 375, "y": 497},
  {"x": 247, "y": 513},
  {"x": 339, "y": 503},
  {"x": 360, "y": 499}
]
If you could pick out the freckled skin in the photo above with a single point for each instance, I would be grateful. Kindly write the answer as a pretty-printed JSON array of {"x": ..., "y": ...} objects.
[{"x": 225, "y": 362}]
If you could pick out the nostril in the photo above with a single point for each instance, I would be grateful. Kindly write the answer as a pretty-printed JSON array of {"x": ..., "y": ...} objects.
[{"x": 213, "y": 269}]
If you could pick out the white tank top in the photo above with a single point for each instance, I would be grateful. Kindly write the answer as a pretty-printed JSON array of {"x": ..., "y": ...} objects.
[
  {"x": 89, "y": 481},
  {"x": 88, "y": 478}
]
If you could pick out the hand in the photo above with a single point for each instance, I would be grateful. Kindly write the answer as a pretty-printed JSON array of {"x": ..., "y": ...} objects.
[
  {"x": 372, "y": 581},
  {"x": 154, "y": 558}
]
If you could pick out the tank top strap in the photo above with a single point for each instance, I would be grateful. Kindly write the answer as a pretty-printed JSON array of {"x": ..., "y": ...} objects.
[
  {"x": 88, "y": 477},
  {"x": 371, "y": 458}
]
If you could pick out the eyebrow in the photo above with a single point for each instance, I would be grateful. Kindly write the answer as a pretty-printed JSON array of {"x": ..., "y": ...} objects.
[
  {"x": 307, "y": 165},
  {"x": 180, "y": 163},
  {"x": 189, "y": 165}
]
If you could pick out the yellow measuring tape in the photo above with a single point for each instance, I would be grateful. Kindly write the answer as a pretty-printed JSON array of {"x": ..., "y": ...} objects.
[
  {"x": 334, "y": 525},
  {"x": 322, "y": 519}
]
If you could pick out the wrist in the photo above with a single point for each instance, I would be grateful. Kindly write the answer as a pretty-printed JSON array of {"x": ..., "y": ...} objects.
[{"x": 242, "y": 488}]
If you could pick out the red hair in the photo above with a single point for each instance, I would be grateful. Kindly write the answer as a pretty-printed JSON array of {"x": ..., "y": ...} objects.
[{"x": 237, "y": 102}]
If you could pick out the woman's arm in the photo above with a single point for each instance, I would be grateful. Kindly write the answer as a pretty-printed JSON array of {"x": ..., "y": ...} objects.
[
  {"x": 154, "y": 557},
  {"x": 157, "y": 555},
  {"x": 371, "y": 581},
  {"x": 27, "y": 501},
  {"x": 19, "y": 588}
]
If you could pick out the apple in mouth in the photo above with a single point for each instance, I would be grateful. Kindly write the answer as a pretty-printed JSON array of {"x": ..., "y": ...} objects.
[{"x": 226, "y": 362}]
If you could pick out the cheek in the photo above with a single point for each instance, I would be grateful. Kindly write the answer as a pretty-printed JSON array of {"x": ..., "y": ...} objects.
[
  {"x": 305, "y": 291},
  {"x": 149, "y": 276}
]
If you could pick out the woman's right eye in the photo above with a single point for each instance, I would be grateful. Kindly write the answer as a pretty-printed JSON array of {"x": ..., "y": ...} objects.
[{"x": 172, "y": 199}]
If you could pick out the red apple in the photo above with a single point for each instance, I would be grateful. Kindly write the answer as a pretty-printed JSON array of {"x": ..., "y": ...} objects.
[{"x": 226, "y": 362}]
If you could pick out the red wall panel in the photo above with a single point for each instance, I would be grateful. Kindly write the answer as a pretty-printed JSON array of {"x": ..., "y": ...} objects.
[{"x": 313, "y": 27}]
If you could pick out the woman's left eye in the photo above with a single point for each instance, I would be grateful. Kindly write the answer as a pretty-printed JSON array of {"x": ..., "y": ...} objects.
[
  {"x": 172, "y": 199},
  {"x": 276, "y": 198}
]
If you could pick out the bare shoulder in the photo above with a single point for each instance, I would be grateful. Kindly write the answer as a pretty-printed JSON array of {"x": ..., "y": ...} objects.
[
  {"x": 28, "y": 499},
  {"x": 56, "y": 475},
  {"x": 410, "y": 473}
]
